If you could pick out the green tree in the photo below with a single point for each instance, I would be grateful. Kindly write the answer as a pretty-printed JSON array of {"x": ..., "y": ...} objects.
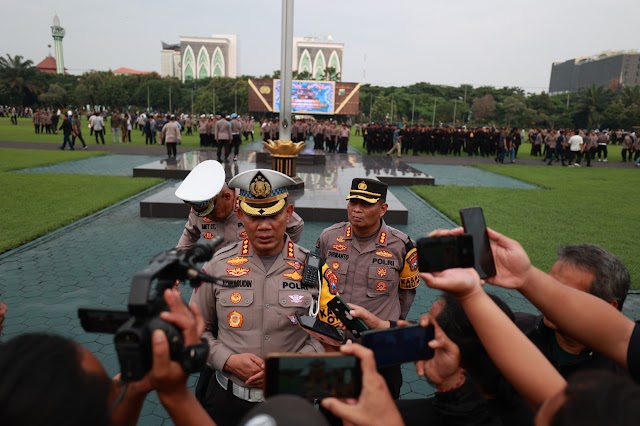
[
  {"x": 55, "y": 96},
  {"x": 590, "y": 106},
  {"x": 17, "y": 79}
]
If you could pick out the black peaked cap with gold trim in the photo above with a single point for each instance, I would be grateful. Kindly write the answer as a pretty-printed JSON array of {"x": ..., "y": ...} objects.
[
  {"x": 263, "y": 192},
  {"x": 369, "y": 190}
]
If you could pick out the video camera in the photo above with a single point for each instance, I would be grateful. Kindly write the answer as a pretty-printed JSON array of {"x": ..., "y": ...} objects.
[{"x": 133, "y": 328}]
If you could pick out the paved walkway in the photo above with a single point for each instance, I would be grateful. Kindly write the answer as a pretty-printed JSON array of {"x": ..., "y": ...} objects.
[{"x": 91, "y": 263}]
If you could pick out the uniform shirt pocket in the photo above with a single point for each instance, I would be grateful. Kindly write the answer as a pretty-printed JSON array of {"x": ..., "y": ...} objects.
[
  {"x": 235, "y": 308},
  {"x": 381, "y": 280}
]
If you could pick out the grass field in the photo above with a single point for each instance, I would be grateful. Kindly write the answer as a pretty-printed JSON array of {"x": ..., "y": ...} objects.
[
  {"x": 33, "y": 204},
  {"x": 595, "y": 205}
]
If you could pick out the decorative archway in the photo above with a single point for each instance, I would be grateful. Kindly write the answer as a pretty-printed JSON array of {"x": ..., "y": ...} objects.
[
  {"x": 304, "y": 65},
  {"x": 334, "y": 62},
  {"x": 188, "y": 64},
  {"x": 319, "y": 65},
  {"x": 217, "y": 63},
  {"x": 203, "y": 63}
]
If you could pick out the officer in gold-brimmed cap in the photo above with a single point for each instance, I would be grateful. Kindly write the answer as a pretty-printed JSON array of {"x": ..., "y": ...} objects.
[
  {"x": 369, "y": 190},
  {"x": 254, "y": 311},
  {"x": 263, "y": 192},
  {"x": 369, "y": 263}
]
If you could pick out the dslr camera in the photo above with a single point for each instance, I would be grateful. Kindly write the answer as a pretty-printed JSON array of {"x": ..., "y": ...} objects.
[{"x": 133, "y": 328}]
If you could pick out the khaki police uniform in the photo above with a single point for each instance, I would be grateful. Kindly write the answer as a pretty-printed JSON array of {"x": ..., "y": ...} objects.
[
  {"x": 381, "y": 276},
  {"x": 231, "y": 229}
]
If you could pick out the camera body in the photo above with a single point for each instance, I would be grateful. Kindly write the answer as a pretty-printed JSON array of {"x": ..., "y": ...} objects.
[{"x": 146, "y": 301}]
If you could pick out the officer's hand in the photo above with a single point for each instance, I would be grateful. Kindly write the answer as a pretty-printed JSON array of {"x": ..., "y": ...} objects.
[
  {"x": 371, "y": 321},
  {"x": 375, "y": 405},
  {"x": 443, "y": 370},
  {"x": 257, "y": 380},
  {"x": 244, "y": 365}
]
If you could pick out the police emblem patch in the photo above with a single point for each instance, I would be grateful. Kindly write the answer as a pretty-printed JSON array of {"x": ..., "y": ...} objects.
[
  {"x": 384, "y": 253},
  {"x": 208, "y": 235},
  {"x": 295, "y": 265},
  {"x": 235, "y": 319},
  {"x": 413, "y": 261},
  {"x": 382, "y": 272},
  {"x": 335, "y": 265},
  {"x": 295, "y": 275},
  {"x": 235, "y": 297},
  {"x": 296, "y": 298},
  {"x": 381, "y": 286},
  {"x": 237, "y": 261},
  {"x": 238, "y": 272},
  {"x": 339, "y": 247}
]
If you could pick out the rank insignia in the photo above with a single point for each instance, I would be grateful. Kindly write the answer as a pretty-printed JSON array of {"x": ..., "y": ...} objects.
[
  {"x": 347, "y": 233},
  {"x": 235, "y": 297},
  {"x": 339, "y": 247},
  {"x": 413, "y": 261},
  {"x": 293, "y": 319},
  {"x": 294, "y": 275},
  {"x": 237, "y": 261},
  {"x": 382, "y": 272},
  {"x": 208, "y": 235},
  {"x": 335, "y": 265},
  {"x": 295, "y": 265},
  {"x": 384, "y": 253},
  {"x": 235, "y": 319},
  {"x": 383, "y": 238},
  {"x": 245, "y": 246},
  {"x": 206, "y": 220},
  {"x": 243, "y": 234},
  {"x": 381, "y": 286},
  {"x": 340, "y": 239},
  {"x": 290, "y": 249},
  {"x": 238, "y": 272},
  {"x": 296, "y": 298}
]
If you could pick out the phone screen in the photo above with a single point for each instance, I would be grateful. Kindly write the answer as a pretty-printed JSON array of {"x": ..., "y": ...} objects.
[
  {"x": 445, "y": 252},
  {"x": 398, "y": 345},
  {"x": 313, "y": 376},
  {"x": 474, "y": 224}
]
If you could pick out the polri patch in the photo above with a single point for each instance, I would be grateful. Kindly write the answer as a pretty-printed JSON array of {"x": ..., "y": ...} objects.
[
  {"x": 382, "y": 272},
  {"x": 296, "y": 298},
  {"x": 340, "y": 247},
  {"x": 381, "y": 286},
  {"x": 238, "y": 272},
  {"x": 235, "y": 319},
  {"x": 335, "y": 265},
  {"x": 235, "y": 297},
  {"x": 208, "y": 235}
]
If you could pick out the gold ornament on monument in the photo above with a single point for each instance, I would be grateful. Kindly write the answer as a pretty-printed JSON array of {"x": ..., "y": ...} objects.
[{"x": 284, "y": 148}]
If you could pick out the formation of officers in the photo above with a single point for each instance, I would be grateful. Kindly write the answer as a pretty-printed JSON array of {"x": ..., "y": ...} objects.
[{"x": 252, "y": 310}]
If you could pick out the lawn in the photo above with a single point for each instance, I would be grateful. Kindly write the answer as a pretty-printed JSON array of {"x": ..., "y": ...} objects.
[
  {"x": 33, "y": 204},
  {"x": 583, "y": 205}
]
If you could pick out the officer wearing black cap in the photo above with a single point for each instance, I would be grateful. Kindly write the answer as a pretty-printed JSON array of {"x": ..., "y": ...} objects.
[
  {"x": 254, "y": 311},
  {"x": 369, "y": 263},
  {"x": 213, "y": 208}
]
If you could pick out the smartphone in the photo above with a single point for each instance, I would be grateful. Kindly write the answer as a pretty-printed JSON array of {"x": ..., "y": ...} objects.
[
  {"x": 445, "y": 252},
  {"x": 102, "y": 320},
  {"x": 322, "y": 331},
  {"x": 393, "y": 346},
  {"x": 474, "y": 224},
  {"x": 313, "y": 376},
  {"x": 341, "y": 310}
]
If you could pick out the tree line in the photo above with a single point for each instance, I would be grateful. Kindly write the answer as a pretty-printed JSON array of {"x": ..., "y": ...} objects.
[{"x": 21, "y": 84}]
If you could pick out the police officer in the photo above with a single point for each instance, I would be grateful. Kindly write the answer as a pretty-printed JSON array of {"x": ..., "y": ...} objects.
[
  {"x": 369, "y": 263},
  {"x": 213, "y": 208},
  {"x": 253, "y": 308}
]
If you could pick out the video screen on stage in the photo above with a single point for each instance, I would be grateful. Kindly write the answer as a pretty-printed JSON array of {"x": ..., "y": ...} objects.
[{"x": 308, "y": 97}]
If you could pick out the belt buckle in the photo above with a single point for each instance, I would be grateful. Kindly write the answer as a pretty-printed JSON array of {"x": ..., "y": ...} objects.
[{"x": 255, "y": 395}]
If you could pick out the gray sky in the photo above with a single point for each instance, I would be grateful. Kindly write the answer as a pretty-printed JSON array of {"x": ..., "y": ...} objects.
[{"x": 478, "y": 42}]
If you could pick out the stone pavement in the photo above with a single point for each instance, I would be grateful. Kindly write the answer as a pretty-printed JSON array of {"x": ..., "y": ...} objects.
[{"x": 91, "y": 263}]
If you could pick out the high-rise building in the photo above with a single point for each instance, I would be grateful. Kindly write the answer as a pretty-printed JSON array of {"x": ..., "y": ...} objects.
[
  {"x": 611, "y": 69},
  {"x": 316, "y": 56},
  {"x": 170, "y": 60},
  {"x": 58, "y": 34}
]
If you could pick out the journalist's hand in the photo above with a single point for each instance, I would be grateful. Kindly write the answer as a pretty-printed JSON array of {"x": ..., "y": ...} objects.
[
  {"x": 462, "y": 282},
  {"x": 374, "y": 406},
  {"x": 512, "y": 263},
  {"x": 371, "y": 320},
  {"x": 443, "y": 370}
]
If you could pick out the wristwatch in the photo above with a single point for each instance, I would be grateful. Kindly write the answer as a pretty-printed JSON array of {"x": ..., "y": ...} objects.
[{"x": 194, "y": 357}]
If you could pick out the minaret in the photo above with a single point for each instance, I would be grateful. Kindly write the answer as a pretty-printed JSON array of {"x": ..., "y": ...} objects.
[{"x": 58, "y": 34}]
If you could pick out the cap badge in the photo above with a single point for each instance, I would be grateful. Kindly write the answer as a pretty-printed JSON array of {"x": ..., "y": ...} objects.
[
  {"x": 362, "y": 186},
  {"x": 260, "y": 186}
]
